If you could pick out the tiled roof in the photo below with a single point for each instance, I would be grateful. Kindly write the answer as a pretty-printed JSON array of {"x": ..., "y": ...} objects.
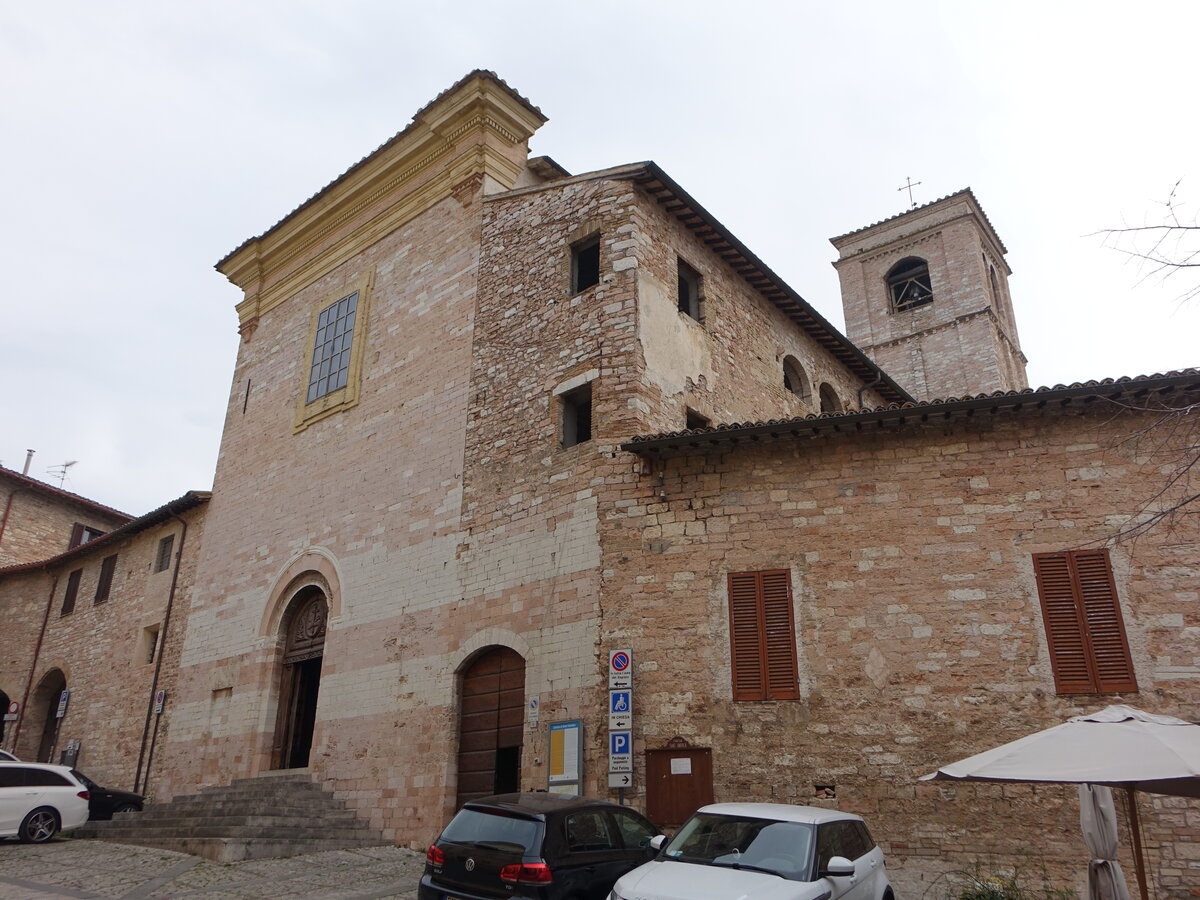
[
  {"x": 965, "y": 192},
  {"x": 141, "y": 523},
  {"x": 921, "y": 410},
  {"x": 50, "y": 490}
]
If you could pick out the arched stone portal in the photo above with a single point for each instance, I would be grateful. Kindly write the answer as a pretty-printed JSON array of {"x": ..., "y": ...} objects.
[
  {"x": 44, "y": 713},
  {"x": 300, "y": 679},
  {"x": 491, "y": 724}
]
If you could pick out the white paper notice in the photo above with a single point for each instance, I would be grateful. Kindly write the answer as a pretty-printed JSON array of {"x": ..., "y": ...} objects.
[{"x": 681, "y": 766}]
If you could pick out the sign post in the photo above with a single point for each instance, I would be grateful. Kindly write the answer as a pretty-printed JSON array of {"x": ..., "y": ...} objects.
[{"x": 620, "y": 721}]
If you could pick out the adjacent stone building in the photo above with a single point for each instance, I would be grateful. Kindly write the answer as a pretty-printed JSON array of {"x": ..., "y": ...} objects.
[
  {"x": 90, "y": 638},
  {"x": 491, "y": 421},
  {"x": 39, "y": 520}
]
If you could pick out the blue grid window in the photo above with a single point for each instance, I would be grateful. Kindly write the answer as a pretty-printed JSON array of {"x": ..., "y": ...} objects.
[{"x": 331, "y": 348}]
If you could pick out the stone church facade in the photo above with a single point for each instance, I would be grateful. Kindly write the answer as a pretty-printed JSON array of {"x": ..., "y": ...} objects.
[{"x": 491, "y": 421}]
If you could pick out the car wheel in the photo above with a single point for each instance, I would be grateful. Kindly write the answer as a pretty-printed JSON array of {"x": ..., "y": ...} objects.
[
  {"x": 39, "y": 826},
  {"x": 126, "y": 807}
]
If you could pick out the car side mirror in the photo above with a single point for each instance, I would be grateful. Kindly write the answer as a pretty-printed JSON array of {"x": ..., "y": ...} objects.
[
  {"x": 838, "y": 866},
  {"x": 657, "y": 841}
]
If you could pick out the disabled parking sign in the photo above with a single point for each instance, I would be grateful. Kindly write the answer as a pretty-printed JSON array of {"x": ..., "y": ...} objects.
[{"x": 620, "y": 710}]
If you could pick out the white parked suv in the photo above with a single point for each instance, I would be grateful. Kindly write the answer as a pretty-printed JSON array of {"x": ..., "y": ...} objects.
[
  {"x": 763, "y": 851},
  {"x": 37, "y": 801}
]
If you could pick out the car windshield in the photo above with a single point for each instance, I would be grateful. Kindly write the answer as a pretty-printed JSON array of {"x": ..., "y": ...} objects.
[
  {"x": 496, "y": 830},
  {"x": 745, "y": 842},
  {"x": 87, "y": 782}
]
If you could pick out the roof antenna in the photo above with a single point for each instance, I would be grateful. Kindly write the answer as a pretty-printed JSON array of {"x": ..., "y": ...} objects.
[
  {"x": 912, "y": 204},
  {"x": 28, "y": 460},
  {"x": 61, "y": 471}
]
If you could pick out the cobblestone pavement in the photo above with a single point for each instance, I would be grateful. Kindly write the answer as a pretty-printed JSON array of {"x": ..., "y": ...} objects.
[{"x": 90, "y": 869}]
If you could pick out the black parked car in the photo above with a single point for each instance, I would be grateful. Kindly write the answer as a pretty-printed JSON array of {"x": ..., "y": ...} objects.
[
  {"x": 538, "y": 845},
  {"x": 103, "y": 802}
]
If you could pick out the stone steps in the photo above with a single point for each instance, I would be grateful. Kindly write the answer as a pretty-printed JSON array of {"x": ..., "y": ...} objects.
[{"x": 252, "y": 818}]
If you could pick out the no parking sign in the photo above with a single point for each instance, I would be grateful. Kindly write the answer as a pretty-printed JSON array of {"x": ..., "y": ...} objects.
[{"x": 620, "y": 669}]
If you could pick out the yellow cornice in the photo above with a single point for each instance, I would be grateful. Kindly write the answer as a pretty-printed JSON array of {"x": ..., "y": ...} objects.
[{"x": 478, "y": 127}]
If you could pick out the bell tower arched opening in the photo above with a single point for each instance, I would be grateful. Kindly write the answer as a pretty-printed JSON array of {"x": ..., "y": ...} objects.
[
  {"x": 491, "y": 724},
  {"x": 300, "y": 677}
]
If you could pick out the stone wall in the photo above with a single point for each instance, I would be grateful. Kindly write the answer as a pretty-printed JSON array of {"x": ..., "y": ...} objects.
[
  {"x": 918, "y": 623},
  {"x": 103, "y": 650},
  {"x": 40, "y": 518},
  {"x": 729, "y": 365},
  {"x": 962, "y": 343},
  {"x": 369, "y": 498}
]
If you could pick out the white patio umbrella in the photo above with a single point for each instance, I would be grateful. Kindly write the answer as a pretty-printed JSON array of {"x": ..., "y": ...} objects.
[
  {"x": 1119, "y": 746},
  {"x": 1098, "y": 819}
]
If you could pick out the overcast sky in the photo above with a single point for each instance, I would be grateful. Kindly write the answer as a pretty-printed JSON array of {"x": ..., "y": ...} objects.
[{"x": 144, "y": 140}]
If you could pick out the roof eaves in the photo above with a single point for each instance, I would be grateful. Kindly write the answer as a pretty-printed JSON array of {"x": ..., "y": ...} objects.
[
  {"x": 190, "y": 500},
  {"x": 747, "y": 265},
  {"x": 52, "y": 491},
  {"x": 701, "y": 439},
  {"x": 398, "y": 136},
  {"x": 965, "y": 192}
]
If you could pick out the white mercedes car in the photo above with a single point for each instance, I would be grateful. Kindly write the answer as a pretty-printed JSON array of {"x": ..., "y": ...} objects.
[
  {"x": 763, "y": 851},
  {"x": 38, "y": 800}
]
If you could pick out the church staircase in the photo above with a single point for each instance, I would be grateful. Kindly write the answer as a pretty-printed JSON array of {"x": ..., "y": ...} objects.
[{"x": 252, "y": 818}]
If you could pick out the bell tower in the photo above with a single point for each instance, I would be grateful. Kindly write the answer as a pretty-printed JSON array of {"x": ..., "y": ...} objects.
[{"x": 925, "y": 295}]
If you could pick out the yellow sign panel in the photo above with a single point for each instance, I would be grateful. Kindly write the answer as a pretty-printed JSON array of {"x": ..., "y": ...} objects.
[{"x": 565, "y": 760}]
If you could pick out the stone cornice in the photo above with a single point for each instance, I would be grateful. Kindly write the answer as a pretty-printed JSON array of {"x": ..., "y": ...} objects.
[
  {"x": 987, "y": 311},
  {"x": 479, "y": 126}
]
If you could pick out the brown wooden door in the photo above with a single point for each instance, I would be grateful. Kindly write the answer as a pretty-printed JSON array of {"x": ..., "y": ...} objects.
[
  {"x": 491, "y": 725},
  {"x": 300, "y": 680},
  {"x": 678, "y": 782}
]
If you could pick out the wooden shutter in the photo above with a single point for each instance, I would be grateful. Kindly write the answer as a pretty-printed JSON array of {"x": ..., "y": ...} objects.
[
  {"x": 76, "y": 536},
  {"x": 762, "y": 636},
  {"x": 104, "y": 584},
  {"x": 72, "y": 591},
  {"x": 1084, "y": 629}
]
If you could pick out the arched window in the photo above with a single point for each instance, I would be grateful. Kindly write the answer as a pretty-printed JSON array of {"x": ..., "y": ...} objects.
[
  {"x": 829, "y": 400},
  {"x": 908, "y": 284},
  {"x": 794, "y": 378}
]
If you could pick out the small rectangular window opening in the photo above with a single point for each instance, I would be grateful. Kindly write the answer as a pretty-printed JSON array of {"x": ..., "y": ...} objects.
[
  {"x": 689, "y": 290},
  {"x": 585, "y": 264},
  {"x": 695, "y": 420},
  {"x": 81, "y": 534},
  {"x": 150, "y": 643},
  {"x": 162, "y": 561},
  {"x": 577, "y": 415},
  {"x": 68, "y": 604},
  {"x": 104, "y": 584}
]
